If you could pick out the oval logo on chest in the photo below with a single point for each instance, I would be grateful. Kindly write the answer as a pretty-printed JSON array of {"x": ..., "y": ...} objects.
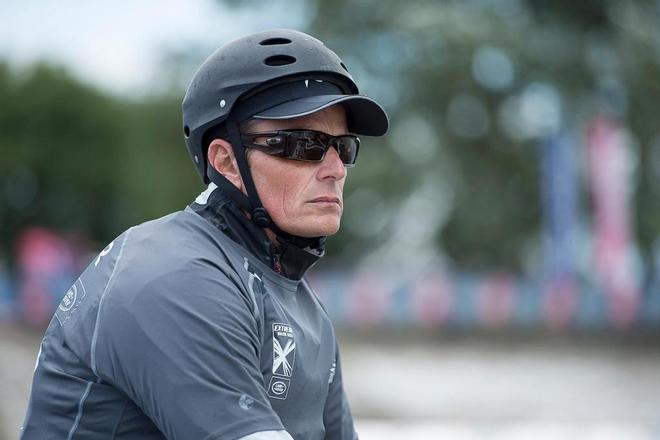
[{"x": 278, "y": 387}]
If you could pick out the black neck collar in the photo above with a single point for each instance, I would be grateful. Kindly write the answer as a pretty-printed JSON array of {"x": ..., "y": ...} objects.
[{"x": 291, "y": 258}]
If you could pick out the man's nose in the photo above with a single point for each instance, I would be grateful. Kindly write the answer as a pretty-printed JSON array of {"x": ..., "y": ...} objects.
[{"x": 331, "y": 166}]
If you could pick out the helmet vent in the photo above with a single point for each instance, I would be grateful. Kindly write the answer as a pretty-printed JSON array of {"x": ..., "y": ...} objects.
[
  {"x": 275, "y": 41},
  {"x": 279, "y": 60},
  {"x": 186, "y": 131},
  {"x": 344, "y": 66}
]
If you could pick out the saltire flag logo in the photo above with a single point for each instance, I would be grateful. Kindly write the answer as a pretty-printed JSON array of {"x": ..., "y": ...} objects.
[{"x": 284, "y": 348}]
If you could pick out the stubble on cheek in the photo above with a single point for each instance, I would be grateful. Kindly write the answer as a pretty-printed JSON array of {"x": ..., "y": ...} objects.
[{"x": 284, "y": 210}]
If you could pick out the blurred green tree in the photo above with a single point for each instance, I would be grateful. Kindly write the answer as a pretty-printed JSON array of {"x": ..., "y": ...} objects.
[
  {"x": 59, "y": 152},
  {"x": 490, "y": 80},
  {"x": 78, "y": 160},
  {"x": 471, "y": 87}
]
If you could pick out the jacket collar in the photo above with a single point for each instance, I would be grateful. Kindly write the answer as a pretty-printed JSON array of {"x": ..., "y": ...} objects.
[{"x": 290, "y": 258}]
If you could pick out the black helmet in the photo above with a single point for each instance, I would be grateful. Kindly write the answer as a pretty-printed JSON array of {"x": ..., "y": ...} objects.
[{"x": 274, "y": 74}]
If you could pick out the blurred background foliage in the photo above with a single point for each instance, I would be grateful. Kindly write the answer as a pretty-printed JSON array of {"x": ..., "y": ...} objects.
[
  {"x": 471, "y": 87},
  {"x": 453, "y": 222}
]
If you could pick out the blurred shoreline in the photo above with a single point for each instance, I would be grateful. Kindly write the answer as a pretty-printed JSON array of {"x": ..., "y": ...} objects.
[
  {"x": 637, "y": 339},
  {"x": 459, "y": 384}
]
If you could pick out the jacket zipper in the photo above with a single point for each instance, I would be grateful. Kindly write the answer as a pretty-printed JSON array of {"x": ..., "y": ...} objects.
[{"x": 277, "y": 264}]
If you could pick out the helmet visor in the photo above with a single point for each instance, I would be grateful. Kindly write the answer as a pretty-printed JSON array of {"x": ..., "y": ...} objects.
[{"x": 364, "y": 115}]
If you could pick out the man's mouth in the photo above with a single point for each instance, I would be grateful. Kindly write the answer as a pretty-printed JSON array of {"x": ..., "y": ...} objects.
[{"x": 327, "y": 200}]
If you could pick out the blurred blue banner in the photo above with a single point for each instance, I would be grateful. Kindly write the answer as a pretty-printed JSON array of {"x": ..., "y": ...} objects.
[{"x": 559, "y": 207}]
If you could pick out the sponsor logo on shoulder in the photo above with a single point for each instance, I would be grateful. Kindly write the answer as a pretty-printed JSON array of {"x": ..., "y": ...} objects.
[{"x": 71, "y": 301}]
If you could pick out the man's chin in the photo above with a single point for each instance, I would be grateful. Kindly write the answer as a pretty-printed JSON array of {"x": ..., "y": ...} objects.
[{"x": 314, "y": 229}]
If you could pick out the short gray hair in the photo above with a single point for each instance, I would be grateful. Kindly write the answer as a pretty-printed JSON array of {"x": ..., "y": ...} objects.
[{"x": 246, "y": 125}]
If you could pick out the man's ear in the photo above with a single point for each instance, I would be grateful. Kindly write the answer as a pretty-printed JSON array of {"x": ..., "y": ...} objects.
[{"x": 221, "y": 157}]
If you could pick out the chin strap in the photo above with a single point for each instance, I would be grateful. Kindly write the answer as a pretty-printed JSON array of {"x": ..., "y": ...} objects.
[{"x": 257, "y": 212}]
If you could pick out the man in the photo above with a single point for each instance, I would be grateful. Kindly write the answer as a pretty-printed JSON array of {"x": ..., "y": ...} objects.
[{"x": 200, "y": 324}]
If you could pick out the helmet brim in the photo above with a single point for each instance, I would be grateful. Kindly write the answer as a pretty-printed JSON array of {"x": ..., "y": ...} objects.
[{"x": 364, "y": 116}]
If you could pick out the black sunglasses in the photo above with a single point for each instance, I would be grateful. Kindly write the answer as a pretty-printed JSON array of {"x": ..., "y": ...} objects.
[{"x": 305, "y": 145}]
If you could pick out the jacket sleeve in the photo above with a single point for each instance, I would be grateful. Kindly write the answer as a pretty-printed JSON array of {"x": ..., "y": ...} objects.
[
  {"x": 184, "y": 346},
  {"x": 337, "y": 413}
]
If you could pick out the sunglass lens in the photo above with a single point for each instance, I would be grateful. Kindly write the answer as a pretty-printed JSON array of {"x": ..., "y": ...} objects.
[
  {"x": 312, "y": 146},
  {"x": 303, "y": 146},
  {"x": 347, "y": 149}
]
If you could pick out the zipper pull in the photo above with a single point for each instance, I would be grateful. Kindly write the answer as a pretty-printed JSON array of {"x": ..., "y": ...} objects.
[{"x": 277, "y": 265}]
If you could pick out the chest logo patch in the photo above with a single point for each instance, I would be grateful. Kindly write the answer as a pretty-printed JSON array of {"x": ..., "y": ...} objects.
[{"x": 284, "y": 356}]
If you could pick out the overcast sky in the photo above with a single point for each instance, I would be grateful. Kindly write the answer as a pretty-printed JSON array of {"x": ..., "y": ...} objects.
[{"x": 118, "y": 44}]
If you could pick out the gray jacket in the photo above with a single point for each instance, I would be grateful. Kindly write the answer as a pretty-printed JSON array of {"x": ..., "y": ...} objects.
[{"x": 176, "y": 330}]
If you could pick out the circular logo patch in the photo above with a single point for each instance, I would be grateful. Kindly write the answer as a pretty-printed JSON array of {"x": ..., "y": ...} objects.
[
  {"x": 245, "y": 401},
  {"x": 69, "y": 299},
  {"x": 278, "y": 387}
]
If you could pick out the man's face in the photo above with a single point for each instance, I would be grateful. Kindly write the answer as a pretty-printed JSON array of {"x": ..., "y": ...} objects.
[{"x": 302, "y": 198}]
